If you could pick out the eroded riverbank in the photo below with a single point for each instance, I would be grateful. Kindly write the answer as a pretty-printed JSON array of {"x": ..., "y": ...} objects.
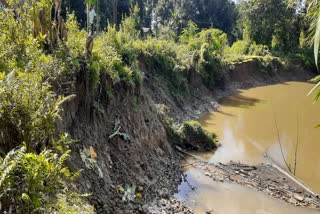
[{"x": 246, "y": 126}]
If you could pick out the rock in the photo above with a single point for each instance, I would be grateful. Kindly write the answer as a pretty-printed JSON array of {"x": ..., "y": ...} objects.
[
  {"x": 298, "y": 197},
  {"x": 160, "y": 152},
  {"x": 140, "y": 188},
  {"x": 292, "y": 201},
  {"x": 207, "y": 174}
]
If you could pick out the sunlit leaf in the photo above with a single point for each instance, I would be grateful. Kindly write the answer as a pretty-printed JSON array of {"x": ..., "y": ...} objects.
[
  {"x": 317, "y": 38},
  {"x": 314, "y": 88}
]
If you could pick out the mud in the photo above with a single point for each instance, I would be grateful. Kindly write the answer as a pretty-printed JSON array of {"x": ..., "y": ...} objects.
[{"x": 167, "y": 206}]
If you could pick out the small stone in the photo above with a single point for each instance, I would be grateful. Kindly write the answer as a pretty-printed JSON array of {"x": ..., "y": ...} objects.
[
  {"x": 292, "y": 201},
  {"x": 140, "y": 188},
  {"x": 298, "y": 197}
]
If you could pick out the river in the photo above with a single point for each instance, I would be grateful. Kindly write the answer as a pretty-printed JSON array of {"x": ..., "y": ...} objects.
[{"x": 251, "y": 125}]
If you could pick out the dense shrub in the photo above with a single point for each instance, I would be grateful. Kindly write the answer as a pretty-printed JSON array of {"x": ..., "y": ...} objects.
[
  {"x": 258, "y": 50},
  {"x": 28, "y": 110},
  {"x": 188, "y": 32},
  {"x": 161, "y": 58},
  {"x": 207, "y": 47},
  {"x": 114, "y": 54},
  {"x": 106, "y": 60},
  {"x": 33, "y": 183},
  {"x": 76, "y": 37},
  {"x": 196, "y": 138},
  {"x": 239, "y": 47},
  {"x": 242, "y": 47},
  {"x": 15, "y": 37},
  {"x": 209, "y": 67},
  {"x": 305, "y": 56},
  {"x": 33, "y": 179},
  {"x": 216, "y": 39},
  {"x": 165, "y": 32},
  {"x": 189, "y": 135}
]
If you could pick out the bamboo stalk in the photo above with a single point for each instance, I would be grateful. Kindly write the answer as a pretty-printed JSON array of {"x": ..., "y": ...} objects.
[
  {"x": 297, "y": 145},
  {"x": 279, "y": 142}
]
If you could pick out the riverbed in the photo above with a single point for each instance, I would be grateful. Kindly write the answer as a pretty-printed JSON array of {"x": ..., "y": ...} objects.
[{"x": 271, "y": 123}]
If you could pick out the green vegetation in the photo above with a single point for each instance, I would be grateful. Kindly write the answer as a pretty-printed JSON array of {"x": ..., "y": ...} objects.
[
  {"x": 273, "y": 23},
  {"x": 33, "y": 175},
  {"x": 189, "y": 135},
  {"x": 36, "y": 183},
  {"x": 28, "y": 110},
  {"x": 194, "y": 136}
]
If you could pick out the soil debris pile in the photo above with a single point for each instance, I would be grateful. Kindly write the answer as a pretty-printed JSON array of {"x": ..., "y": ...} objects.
[{"x": 265, "y": 178}]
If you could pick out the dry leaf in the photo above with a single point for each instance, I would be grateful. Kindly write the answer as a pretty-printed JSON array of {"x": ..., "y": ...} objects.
[{"x": 93, "y": 154}]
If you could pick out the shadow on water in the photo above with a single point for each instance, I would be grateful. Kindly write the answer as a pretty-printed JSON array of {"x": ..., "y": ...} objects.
[
  {"x": 208, "y": 118},
  {"x": 239, "y": 100},
  {"x": 224, "y": 113}
]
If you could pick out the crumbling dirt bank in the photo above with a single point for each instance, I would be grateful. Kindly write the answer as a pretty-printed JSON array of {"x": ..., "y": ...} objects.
[{"x": 239, "y": 76}]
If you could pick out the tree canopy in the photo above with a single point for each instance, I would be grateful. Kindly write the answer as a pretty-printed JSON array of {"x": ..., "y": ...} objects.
[{"x": 274, "y": 23}]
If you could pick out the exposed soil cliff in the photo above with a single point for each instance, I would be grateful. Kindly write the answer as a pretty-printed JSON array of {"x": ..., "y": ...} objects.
[
  {"x": 200, "y": 99},
  {"x": 139, "y": 155}
]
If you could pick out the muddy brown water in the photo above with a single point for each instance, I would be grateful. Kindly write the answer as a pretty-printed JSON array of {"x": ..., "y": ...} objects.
[{"x": 249, "y": 125}]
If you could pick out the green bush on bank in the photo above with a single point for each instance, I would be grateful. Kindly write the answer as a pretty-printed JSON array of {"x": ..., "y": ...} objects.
[
  {"x": 207, "y": 48},
  {"x": 28, "y": 111},
  {"x": 32, "y": 177},
  {"x": 114, "y": 54},
  {"x": 108, "y": 60},
  {"x": 161, "y": 58},
  {"x": 196, "y": 138},
  {"x": 189, "y": 135},
  {"x": 242, "y": 47},
  {"x": 36, "y": 183}
]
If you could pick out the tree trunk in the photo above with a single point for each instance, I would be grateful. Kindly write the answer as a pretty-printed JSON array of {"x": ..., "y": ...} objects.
[{"x": 115, "y": 11}]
